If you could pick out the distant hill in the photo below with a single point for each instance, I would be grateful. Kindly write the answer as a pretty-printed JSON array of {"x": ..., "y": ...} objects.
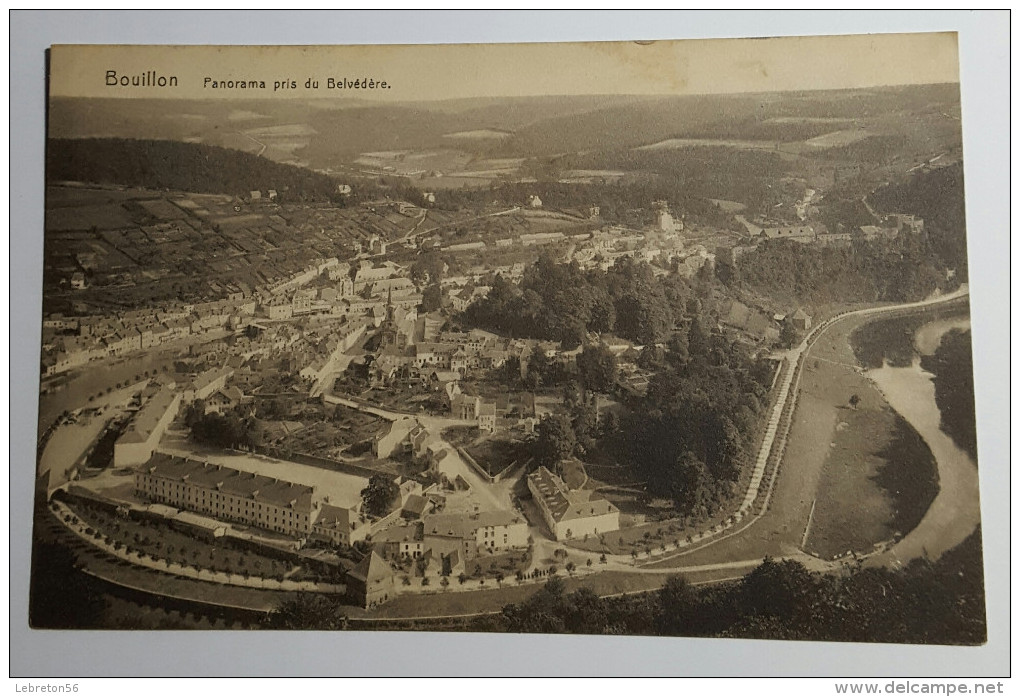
[
  {"x": 165, "y": 164},
  {"x": 332, "y": 131}
]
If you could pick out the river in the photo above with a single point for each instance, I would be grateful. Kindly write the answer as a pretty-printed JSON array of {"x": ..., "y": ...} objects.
[
  {"x": 929, "y": 337},
  {"x": 955, "y": 512}
]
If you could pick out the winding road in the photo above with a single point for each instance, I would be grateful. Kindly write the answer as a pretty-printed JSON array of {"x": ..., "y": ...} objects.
[
  {"x": 757, "y": 529},
  {"x": 732, "y": 541}
]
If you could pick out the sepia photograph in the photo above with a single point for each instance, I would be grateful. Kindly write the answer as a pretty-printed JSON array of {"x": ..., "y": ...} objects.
[{"x": 673, "y": 340}]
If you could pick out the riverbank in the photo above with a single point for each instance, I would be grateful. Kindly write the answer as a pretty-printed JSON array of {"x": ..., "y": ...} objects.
[{"x": 955, "y": 512}]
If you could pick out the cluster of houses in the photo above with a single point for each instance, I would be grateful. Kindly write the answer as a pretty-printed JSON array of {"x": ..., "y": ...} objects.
[
  {"x": 439, "y": 544},
  {"x": 597, "y": 249},
  {"x": 513, "y": 408},
  {"x": 890, "y": 227},
  {"x": 414, "y": 347},
  {"x": 360, "y": 295},
  {"x": 74, "y": 342}
]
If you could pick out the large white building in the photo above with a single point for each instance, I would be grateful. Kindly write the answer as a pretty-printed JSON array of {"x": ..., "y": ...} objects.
[
  {"x": 138, "y": 442},
  {"x": 498, "y": 530},
  {"x": 207, "y": 383},
  {"x": 468, "y": 535},
  {"x": 571, "y": 514}
]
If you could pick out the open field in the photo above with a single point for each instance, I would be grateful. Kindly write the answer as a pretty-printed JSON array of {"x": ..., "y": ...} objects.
[
  {"x": 877, "y": 483},
  {"x": 679, "y": 143},
  {"x": 838, "y": 138},
  {"x": 102, "y": 217},
  {"x": 876, "y": 477},
  {"x": 728, "y": 206},
  {"x": 831, "y": 376},
  {"x": 482, "y": 134}
]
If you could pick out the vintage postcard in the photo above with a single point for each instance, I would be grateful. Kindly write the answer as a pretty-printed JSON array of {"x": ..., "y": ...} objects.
[{"x": 645, "y": 338}]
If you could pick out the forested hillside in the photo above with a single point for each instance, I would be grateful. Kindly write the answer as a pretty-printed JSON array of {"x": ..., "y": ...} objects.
[
  {"x": 165, "y": 164},
  {"x": 936, "y": 196},
  {"x": 953, "y": 367},
  {"x": 689, "y": 436},
  {"x": 904, "y": 269}
]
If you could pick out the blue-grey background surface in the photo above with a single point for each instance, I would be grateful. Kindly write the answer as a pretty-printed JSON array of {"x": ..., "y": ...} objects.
[{"x": 984, "y": 52}]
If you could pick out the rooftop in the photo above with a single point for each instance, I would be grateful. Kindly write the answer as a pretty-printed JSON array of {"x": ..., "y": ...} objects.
[
  {"x": 243, "y": 484},
  {"x": 371, "y": 568},
  {"x": 148, "y": 417},
  {"x": 563, "y": 503},
  {"x": 333, "y": 517}
]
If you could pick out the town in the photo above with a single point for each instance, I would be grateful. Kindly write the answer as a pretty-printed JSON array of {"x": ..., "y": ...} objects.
[
  {"x": 431, "y": 383},
  {"x": 347, "y": 385}
]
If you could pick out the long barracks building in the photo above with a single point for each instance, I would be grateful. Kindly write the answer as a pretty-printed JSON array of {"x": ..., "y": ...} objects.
[{"x": 228, "y": 494}]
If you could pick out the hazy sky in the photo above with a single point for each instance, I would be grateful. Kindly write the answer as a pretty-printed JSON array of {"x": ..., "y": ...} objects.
[{"x": 492, "y": 70}]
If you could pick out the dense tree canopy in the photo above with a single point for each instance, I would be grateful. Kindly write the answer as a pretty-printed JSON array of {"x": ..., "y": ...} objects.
[
  {"x": 560, "y": 302},
  {"x": 166, "y": 164},
  {"x": 867, "y": 271},
  {"x": 222, "y": 430},
  {"x": 307, "y": 611},
  {"x": 596, "y": 367},
  {"x": 379, "y": 495},
  {"x": 432, "y": 298},
  {"x": 937, "y": 197},
  {"x": 926, "y": 602},
  {"x": 953, "y": 367},
  {"x": 690, "y": 435},
  {"x": 554, "y": 440},
  {"x": 61, "y": 596}
]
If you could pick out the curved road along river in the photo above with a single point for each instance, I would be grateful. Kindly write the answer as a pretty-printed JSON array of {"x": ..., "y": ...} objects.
[
  {"x": 768, "y": 532},
  {"x": 951, "y": 518}
]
